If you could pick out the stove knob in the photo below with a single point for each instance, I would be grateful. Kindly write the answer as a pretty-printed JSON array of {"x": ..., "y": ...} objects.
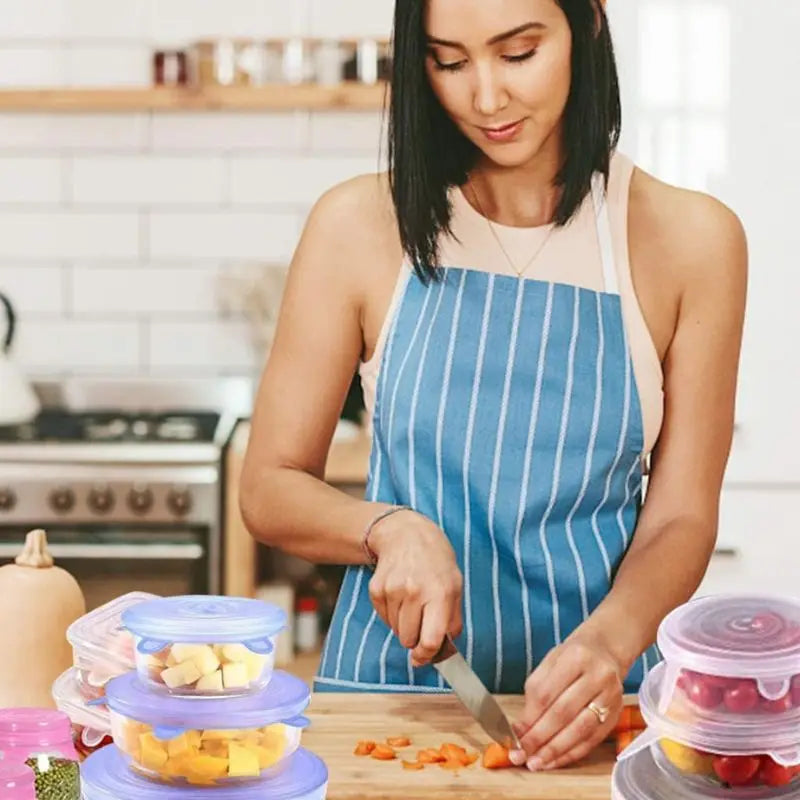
[
  {"x": 62, "y": 500},
  {"x": 7, "y": 499},
  {"x": 140, "y": 500},
  {"x": 179, "y": 501},
  {"x": 101, "y": 499}
]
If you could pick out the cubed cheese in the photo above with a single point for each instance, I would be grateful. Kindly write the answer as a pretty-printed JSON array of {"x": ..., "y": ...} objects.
[
  {"x": 235, "y": 675},
  {"x": 243, "y": 762},
  {"x": 205, "y": 660},
  {"x": 234, "y": 652},
  {"x": 184, "y": 674},
  {"x": 210, "y": 683}
]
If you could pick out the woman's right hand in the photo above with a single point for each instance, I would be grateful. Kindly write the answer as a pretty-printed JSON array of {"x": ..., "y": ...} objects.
[{"x": 416, "y": 587}]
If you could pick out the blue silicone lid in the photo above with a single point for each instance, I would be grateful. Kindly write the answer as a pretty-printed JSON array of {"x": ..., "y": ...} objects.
[
  {"x": 106, "y": 776},
  {"x": 283, "y": 700},
  {"x": 204, "y": 618}
]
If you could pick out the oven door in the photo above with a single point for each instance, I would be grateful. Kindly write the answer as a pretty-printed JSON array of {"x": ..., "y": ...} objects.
[{"x": 109, "y": 561}]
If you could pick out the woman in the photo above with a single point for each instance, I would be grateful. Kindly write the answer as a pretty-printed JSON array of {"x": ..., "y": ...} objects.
[{"x": 533, "y": 317}]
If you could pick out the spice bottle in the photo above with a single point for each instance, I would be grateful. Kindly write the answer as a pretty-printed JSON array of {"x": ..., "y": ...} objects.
[
  {"x": 42, "y": 740},
  {"x": 306, "y": 624}
]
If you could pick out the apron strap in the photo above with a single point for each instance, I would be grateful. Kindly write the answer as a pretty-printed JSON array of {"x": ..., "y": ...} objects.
[{"x": 603, "y": 222}]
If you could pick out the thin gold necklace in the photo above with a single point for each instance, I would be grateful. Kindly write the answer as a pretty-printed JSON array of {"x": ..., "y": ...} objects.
[{"x": 533, "y": 258}]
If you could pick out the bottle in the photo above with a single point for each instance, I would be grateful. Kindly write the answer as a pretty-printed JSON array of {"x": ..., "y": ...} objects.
[{"x": 307, "y": 624}]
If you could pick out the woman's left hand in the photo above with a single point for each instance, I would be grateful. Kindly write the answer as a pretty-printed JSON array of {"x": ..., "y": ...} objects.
[{"x": 558, "y": 726}]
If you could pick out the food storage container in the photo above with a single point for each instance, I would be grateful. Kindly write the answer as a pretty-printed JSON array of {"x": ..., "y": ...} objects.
[
  {"x": 645, "y": 776},
  {"x": 102, "y": 648},
  {"x": 17, "y": 782},
  {"x": 105, "y": 776},
  {"x": 733, "y": 654},
  {"x": 724, "y": 750},
  {"x": 91, "y": 726},
  {"x": 207, "y": 743},
  {"x": 205, "y": 645},
  {"x": 41, "y": 739}
]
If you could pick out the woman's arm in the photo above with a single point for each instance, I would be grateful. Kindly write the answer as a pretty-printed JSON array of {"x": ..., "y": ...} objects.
[
  {"x": 283, "y": 498},
  {"x": 704, "y": 247}
]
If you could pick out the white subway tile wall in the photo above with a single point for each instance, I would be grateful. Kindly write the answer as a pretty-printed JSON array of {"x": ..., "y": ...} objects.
[{"x": 116, "y": 227}]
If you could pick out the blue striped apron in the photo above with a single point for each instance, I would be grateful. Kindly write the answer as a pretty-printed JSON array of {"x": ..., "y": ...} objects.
[{"x": 506, "y": 412}]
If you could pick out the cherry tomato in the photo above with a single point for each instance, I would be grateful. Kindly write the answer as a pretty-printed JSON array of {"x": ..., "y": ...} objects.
[
  {"x": 736, "y": 770},
  {"x": 742, "y": 697},
  {"x": 774, "y": 774},
  {"x": 704, "y": 695},
  {"x": 778, "y": 706}
]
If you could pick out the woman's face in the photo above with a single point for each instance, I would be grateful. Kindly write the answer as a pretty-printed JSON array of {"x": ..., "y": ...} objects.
[{"x": 501, "y": 69}]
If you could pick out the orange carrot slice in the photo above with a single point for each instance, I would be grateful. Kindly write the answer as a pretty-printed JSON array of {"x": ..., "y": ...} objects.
[
  {"x": 451, "y": 764},
  {"x": 383, "y": 753},
  {"x": 495, "y": 756},
  {"x": 452, "y": 752},
  {"x": 398, "y": 741},
  {"x": 413, "y": 765},
  {"x": 469, "y": 758},
  {"x": 430, "y": 756},
  {"x": 364, "y": 748}
]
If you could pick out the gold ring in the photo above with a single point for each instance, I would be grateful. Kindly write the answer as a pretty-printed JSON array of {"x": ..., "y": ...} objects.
[{"x": 600, "y": 712}]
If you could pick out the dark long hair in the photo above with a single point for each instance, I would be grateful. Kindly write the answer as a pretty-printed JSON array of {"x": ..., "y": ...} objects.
[{"x": 428, "y": 154}]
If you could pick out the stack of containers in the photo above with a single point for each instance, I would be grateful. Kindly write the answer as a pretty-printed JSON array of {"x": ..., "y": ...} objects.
[
  {"x": 204, "y": 713},
  {"x": 102, "y": 649},
  {"x": 723, "y": 708}
]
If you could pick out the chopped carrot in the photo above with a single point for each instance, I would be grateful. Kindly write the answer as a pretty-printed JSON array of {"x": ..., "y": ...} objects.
[
  {"x": 624, "y": 738},
  {"x": 364, "y": 748},
  {"x": 637, "y": 720},
  {"x": 415, "y": 765},
  {"x": 451, "y": 763},
  {"x": 398, "y": 741},
  {"x": 383, "y": 752},
  {"x": 430, "y": 756},
  {"x": 452, "y": 752},
  {"x": 469, "y": 758},
  {"x": 625, "y": 720},
  {"x": 495, "y": 756}
]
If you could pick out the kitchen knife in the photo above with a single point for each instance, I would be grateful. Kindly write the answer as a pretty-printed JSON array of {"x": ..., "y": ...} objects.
[{"x": 474, "y": 695}]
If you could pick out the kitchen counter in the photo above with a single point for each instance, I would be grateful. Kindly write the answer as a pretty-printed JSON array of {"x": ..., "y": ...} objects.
[{"x": 340, "y": 720}]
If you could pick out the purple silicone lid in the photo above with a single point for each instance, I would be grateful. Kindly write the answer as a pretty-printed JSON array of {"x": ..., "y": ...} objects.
[
  {"x": 17, "y": 782},
  {"x": 748, "y": 636},
  {"x": 204, "y": 618},
  {"x": 106, "y": 776},
  {"x": 721, "y": 733},
  {"x": 283, "y": 700}
]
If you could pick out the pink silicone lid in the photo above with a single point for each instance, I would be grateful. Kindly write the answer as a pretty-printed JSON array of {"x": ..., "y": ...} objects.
[
  {"x": 34, "y": 727},
  {"x": 17, "y": 782},
  {"x": 747, "y": 636},
  {"x": 721, "y": 733}
]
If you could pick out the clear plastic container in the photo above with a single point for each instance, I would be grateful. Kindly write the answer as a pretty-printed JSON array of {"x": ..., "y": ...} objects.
[
  {"x": 102, "y": 648},
  {"x": 42, "y": 740},
  {"x": 733, "y": 654},
  {"x": 205, "y": 743},
  {"x": 648, "y": 776},
  {"x": 105, "y": 776},
  {"x": 17, "y": 782},
  {"x": 723, "y": 750},
  {"x": 205, "y": 645},
  {"x": 91, "y": 725}
]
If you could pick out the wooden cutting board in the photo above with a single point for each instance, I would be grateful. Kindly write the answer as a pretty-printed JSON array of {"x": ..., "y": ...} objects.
[{"x": 339, "y": 721}]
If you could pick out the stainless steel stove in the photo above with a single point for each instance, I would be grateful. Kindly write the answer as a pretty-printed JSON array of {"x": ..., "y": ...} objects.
[{"x": 126, "y": 478}]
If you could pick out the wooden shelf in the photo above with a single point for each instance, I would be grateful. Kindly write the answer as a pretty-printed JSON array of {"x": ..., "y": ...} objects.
[{"x": 345, "y": 96}]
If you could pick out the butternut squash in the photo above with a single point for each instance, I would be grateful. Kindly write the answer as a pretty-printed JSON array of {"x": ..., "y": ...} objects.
[{"x": 39, "y": 602}]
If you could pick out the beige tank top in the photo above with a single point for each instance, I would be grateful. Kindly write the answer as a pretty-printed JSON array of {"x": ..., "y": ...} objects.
[{"x": 572, "y": 255}]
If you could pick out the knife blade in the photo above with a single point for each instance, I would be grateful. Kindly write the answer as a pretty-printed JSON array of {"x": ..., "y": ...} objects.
[{"x": 467, "y": 686}]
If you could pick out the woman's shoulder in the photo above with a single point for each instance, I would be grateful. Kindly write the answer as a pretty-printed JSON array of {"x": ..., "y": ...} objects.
[
  {"x": 690, "y": 231},
  {"x": 360, "y": 207}
]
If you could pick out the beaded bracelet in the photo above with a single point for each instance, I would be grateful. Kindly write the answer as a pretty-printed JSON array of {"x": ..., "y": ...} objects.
[{"x": 371, "y": 556}]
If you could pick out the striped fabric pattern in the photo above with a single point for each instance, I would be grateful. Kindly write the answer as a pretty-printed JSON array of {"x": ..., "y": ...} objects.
[{"x": 506, "y": 412}]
